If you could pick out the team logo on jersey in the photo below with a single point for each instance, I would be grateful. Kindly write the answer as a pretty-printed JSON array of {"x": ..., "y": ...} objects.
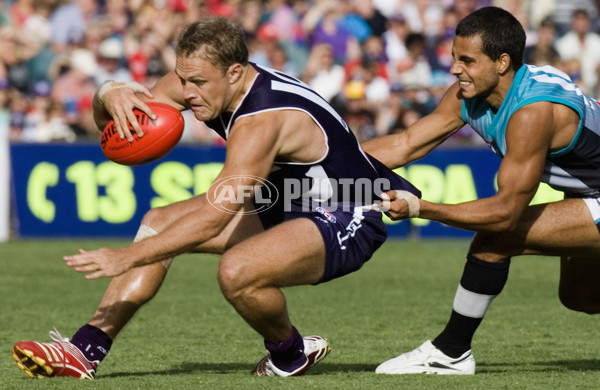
[
  {"x": 230, "y": 193},
  {"x": 328, "y": 216}
]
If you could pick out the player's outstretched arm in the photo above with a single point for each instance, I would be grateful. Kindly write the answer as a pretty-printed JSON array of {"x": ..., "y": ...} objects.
[
  {"x": 528, "y": 138},
  {"x": 422, "y": 137},
  {"x": 249, "y": 160}
]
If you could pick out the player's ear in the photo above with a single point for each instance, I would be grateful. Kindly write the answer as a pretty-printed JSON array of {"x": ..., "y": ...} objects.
[
  {"x": 234, "y": 72},
  {"x": 503, "y": 63}
]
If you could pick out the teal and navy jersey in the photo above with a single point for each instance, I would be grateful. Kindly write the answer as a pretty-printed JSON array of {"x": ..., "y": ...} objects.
[
  {"x": 345, "y": 171},
  {"x": 575, "y": 169}
]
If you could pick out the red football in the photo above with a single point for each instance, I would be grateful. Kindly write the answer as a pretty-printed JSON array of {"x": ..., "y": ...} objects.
[{"x": 160, "y": 136}]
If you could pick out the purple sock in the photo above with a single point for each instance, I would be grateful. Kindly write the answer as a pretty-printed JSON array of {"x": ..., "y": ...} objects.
[
  {"x": 288, "y": 355},
  {"x": 92, "y": 342}
]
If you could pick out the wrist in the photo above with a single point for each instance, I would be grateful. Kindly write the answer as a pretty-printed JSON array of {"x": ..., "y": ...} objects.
[
  {"x": 414, "y": 204},
  {"x": 110, "y": 85}
]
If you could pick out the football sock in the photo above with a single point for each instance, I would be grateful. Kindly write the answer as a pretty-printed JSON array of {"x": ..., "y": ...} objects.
[
  {"x": 481, "y": 282},
  {"x": 93, "y": 342},
  {"x": 288, "y": 355}
]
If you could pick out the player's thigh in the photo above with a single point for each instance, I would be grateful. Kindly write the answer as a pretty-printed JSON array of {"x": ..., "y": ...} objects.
[
  {"x": 288, "y": 254},
  {"x": 561, "y": 228}
]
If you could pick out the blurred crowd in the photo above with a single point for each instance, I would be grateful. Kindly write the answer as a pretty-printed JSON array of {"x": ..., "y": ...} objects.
[{"x": 382, "y": 64}]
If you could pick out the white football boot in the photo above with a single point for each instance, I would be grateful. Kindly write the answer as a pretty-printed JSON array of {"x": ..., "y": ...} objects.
[
  {"x": 315, "y": 349},
  {"x": 427, "y": 359}
]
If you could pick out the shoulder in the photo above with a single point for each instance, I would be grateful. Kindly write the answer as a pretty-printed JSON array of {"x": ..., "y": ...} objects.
[{"x": 452, "y": 101}]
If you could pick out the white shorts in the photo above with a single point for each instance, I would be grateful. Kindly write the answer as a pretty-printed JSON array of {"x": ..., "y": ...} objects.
[{"x": 593, "y": 204}]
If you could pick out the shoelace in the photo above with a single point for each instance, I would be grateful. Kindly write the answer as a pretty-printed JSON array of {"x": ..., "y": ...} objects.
[{"x": 56, "y": 336}]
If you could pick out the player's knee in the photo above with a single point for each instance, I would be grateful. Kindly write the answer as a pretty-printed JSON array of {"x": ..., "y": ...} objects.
[
  {"x": 231, "y": 277},
  {"x": 578, "y": 302},
  {"x": 488, "y": 247},
  {"x": 154, "y": 218}
]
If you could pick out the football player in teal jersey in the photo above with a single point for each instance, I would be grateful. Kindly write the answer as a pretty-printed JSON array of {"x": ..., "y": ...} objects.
[{"x": 546, "y": 130}]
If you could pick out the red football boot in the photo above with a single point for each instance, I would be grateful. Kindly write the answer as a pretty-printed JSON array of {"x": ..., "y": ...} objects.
[{"x": 57, "y": 358}]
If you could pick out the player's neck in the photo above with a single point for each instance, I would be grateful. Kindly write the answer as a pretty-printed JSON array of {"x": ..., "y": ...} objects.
[{"x": 498, "y": 94}]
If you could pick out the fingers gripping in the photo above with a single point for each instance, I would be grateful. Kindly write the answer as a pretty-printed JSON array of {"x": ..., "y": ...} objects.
[{"x": 414, "y": 207}]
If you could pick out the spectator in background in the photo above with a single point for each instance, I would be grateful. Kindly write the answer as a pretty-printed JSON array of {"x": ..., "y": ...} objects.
[
  {"x": 4, "y": 15},
  {"x": 562, "y": 12},
  {"x": 110, "y": 65},
  {"x": 117, "y": 17},
  {"x": 266, "y": 39},
  {"x": 372, "y": 51},
  {"x": 76, "y": 82},
  {"x": 543, "y": 51},
  {"x": 37, "y": 112},
  {"x": 388, "y": 113},
  {"x": 323, "y": 25},
  {"x": 424, "y": 17},
  {"x": 19, "y": 11},
  {"x": 282, "y": 34},
  {"x": 377, "y": 88},
  {"x": 249, "y": 16},
  {"x": 85, "y": 127},
  {"x": 353, "y": 107},
  {"x": 69, "y": 22},
  {"x": 440, "y": 57},
  {"x": 414, "y": 69},
  {"x": 518, "y": 8},
  {"x": 18, "y": 106},
  {"x": 352, "y": 22},
  {"x": 278, "y": 60},
  {"x": 387, "y": 7},
  {"x": 394, "y": 40},
  {"x": 462, "y": 8},
  {"x": 16, "y": 49},
  {"x": 371, "y": 15},
  {"x": 150, "y": 57},
  {"x": 53, "y": 127},
  {"x": 283, "y": 19},
  {"x": 268, "y": 50},
  {"x": 582, "y": 45},
  {"x": 38, "y": 30},
  {"x": 322, "y": 74}
]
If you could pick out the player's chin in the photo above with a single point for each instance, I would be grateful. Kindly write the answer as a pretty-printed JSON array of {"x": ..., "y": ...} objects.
[{"x": 203, "y": 114}]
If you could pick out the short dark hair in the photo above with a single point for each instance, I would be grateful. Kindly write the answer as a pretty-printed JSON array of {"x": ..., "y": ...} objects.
[
  {"x": 499, "y": 30},
  {"x": 216, "y": 39},
  {"x": 580, "y": 12}
]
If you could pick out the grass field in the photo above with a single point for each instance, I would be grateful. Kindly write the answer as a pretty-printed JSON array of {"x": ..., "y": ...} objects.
[{"x": 188, "y": 337}]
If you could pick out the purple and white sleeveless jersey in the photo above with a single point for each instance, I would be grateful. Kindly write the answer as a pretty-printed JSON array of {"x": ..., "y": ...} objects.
[{"x": 344, "y": 178}]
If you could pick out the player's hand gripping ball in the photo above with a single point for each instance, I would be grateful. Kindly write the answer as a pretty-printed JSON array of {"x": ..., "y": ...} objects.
[{"x": 160, "y": 137}]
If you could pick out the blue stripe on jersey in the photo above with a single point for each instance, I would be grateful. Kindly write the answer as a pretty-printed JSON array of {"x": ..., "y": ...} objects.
[{"x": 573, "y": 169}]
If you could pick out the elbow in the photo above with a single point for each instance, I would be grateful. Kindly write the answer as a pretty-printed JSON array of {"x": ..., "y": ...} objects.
[
  {"x": 506, "y": 221},
  {"x": 211, "y": 231}
]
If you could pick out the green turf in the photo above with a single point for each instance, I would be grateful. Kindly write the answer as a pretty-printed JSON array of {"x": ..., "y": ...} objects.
[{"x": 188, "y": 337}]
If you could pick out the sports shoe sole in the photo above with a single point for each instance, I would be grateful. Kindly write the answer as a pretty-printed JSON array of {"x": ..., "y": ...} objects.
[{"x": 32, "y": 365}]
